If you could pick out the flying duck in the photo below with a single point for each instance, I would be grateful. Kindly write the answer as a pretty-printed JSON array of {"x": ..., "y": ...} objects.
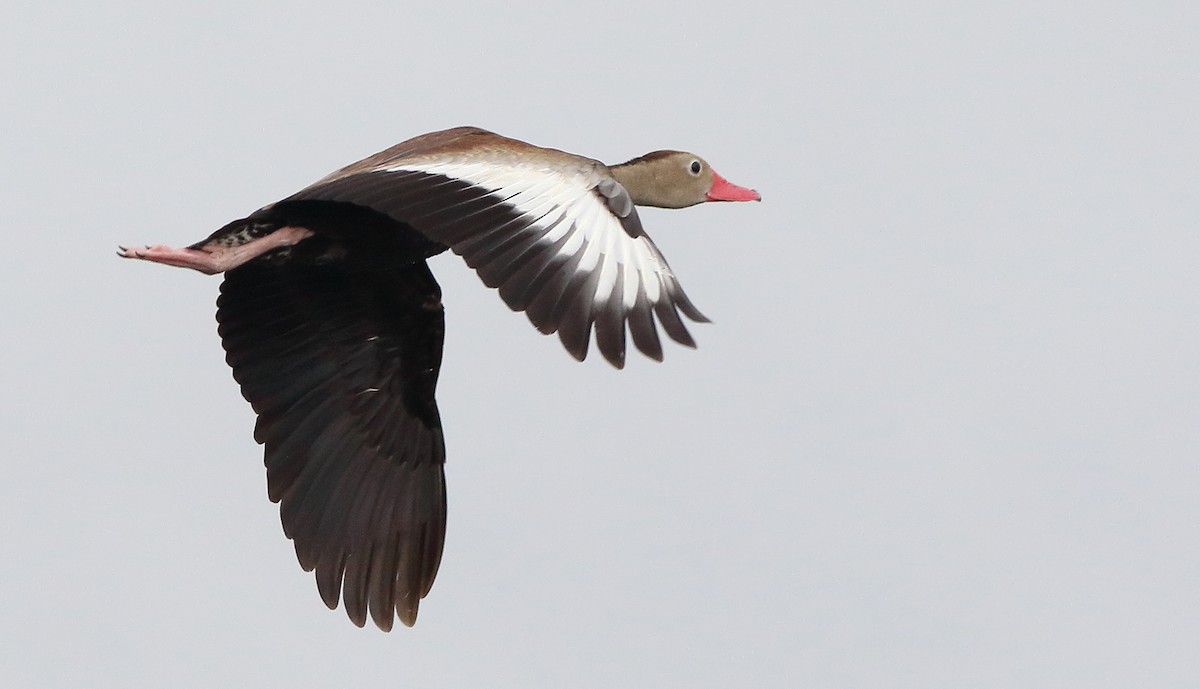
[{"x": 333, "y": 325}]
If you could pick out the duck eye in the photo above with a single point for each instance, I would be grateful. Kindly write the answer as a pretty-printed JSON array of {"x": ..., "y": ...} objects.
[{"x": 695, "y": 167}]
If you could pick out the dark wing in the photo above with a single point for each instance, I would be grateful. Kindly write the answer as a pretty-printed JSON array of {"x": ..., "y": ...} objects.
[
  {"x": 556, "y": 234},
  {"x": 340, "y": 361}
]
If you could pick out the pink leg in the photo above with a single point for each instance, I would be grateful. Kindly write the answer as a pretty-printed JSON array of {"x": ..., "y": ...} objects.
[{"x": 216, "y": 258}]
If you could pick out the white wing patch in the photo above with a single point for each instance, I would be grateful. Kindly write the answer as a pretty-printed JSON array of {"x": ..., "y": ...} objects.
[
  {"x": 544, "y": 234},
  {"x": 565, "y": 203}
]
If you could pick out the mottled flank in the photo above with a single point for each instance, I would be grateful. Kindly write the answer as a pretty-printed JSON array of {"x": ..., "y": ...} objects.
[{"x": 237, "y": 233}]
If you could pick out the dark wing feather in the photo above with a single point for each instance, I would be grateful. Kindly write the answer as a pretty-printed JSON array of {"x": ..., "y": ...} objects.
[{"x": 340, "y": 360}]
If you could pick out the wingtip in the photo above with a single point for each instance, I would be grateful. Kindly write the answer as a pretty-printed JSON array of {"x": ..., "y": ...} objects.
[
  {"x": 384, "y": 622},
  {"x": 577, "y": 346},
  {"x": 407, "y": 617},
  {"x": 617, "y": 360},
  {"x": 689, "y": 309}
]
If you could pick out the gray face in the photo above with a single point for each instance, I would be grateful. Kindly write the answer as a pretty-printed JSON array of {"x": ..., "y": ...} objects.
[
  {"x": 691, "y": 179},
  {"x": 666, "y": 179}
]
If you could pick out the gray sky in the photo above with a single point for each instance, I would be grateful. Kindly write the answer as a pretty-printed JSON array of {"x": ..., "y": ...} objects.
[{"x": 942, "y": 433}]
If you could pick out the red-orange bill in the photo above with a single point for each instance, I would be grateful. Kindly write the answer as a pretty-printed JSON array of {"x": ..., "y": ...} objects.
[{"x": 724, "y": 190}]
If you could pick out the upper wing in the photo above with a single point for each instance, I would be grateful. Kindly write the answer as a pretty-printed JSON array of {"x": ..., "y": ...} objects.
[
  {"x": 341, "y": 368},
  {"x": 555, "y": 233}
]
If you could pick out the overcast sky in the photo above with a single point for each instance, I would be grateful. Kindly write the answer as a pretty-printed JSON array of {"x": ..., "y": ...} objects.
[{"x": 943, "y": 432}]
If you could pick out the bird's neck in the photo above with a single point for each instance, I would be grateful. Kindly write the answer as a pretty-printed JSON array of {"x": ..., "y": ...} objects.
[{"x": 640, "y": 179}]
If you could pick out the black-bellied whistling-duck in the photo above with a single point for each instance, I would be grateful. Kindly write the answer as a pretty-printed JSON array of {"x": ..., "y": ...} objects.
[{"x": 333, "y": 324}]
